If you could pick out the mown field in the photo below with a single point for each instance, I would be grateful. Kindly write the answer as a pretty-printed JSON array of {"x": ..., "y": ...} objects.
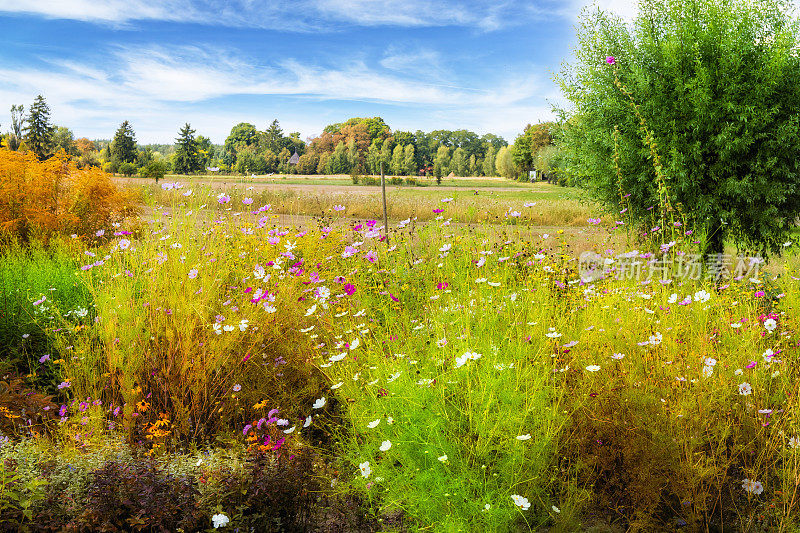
[{"x": 273, "y": 359}]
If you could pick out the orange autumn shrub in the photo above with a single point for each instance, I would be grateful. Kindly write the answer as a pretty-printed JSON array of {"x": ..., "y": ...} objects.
[{"x": 44, "y": 198}]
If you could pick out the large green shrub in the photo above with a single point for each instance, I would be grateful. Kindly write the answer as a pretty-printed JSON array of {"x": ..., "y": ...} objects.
[{"x": 693, "y": 107}]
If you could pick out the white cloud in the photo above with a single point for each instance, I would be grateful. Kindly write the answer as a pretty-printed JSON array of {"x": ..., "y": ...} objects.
[
  {"x": 104, "y": 11},
  {"x": 158, "y": 89},
  {"x": 412, "y": 60},
  {"x": 286, "y": 15}
]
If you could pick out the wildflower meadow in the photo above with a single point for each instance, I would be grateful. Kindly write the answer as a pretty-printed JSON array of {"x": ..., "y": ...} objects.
[
  {"x": 233, "y": 372},
  {"x": 471, "y": 350}
]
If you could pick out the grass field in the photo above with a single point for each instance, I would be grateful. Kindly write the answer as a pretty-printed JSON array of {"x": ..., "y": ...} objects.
[{"x": 268, "y": 355}]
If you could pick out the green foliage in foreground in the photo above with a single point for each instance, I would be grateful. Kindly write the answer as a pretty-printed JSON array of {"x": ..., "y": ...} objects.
[
  {"x": 695, "y": 110},
  {"x": 462, "y": 378},
  {"x": 28, "y": 275}
]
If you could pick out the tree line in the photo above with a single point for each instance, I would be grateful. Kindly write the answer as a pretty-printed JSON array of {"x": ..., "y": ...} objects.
[{"x": 356, "y": 146}]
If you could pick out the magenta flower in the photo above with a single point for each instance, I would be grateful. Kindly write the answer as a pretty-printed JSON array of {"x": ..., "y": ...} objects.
[
  {"x": 371, "y": 256},
  {"x": 350, "y": 289},
  {"x": 611, "y": 61}
]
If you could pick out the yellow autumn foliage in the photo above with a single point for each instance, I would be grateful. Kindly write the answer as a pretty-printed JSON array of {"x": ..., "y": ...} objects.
[{"x": 40, "y": 199}]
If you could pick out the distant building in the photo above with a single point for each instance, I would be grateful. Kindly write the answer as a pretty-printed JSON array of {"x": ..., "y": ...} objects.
[{"x": 294, "y": 159}]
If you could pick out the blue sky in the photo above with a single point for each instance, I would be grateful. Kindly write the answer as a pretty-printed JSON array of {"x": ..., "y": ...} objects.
[{"x": 436, "y": 64}]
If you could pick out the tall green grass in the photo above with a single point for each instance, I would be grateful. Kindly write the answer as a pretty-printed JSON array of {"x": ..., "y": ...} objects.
[
  {"x": 460, "y": 371},
  {"x": 28, "y": 274}
]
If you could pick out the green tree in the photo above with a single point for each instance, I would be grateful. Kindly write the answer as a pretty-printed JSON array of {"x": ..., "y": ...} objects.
[
  {"x": 473, "y": 165},
  {"x": 337, "y": 163},
  {"x": 154, "y": 169},
  {"x": 64, "y": 139},
  {"x": 488, "y": 161},
  {"x": 242, "y": 134},
  {"x": 397, "y": 166},
  {"x": 547, "y": 162},
  {"x": 374, "y": 158},
  {"x": 459, "y": 163},
  {"x": 441, "y": 162},
  {"x": 353, "y": 157},
  {"x": 504, "y": 162},
  {"x": 38, "y": 132},
  {"x": 386, "y": 155},
  {"x": 127, "y": 169},
  {"x": 123, "y": 147},
  {"x": 205, "y": 149},
  {"x": 17, "y": 122},
  {"x": 409, "y": 161},
  {"x": 272, "y": 139},
  {"x": 693, "y": 111},
  {"x": 187, "y": 157},
  {"x": 308, "y": 163}
]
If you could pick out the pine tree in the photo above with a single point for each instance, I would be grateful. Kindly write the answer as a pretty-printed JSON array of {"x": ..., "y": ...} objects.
[
  {"x": 123, "y": 147},
  {"x": 187, "y": 156},
  {"x": 39, "y": 131}
]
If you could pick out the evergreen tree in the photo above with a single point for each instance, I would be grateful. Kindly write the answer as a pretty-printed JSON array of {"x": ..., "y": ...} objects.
[
  {"x": 273, "y": 139},
  {"x": 123, "y": 147},
  {"x": 38, "y": 131},
  {"x": 187, "y": 156}
]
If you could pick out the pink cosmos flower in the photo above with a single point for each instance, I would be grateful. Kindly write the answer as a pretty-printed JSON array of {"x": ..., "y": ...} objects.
[
  {"x": 371, "y": 256},
  {"x": 611, "y": 61}
]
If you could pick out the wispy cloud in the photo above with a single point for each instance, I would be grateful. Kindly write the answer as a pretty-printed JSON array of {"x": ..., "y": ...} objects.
[
  {"x": 286, "y": 15},
  {"x": 158, "y": 82}
]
